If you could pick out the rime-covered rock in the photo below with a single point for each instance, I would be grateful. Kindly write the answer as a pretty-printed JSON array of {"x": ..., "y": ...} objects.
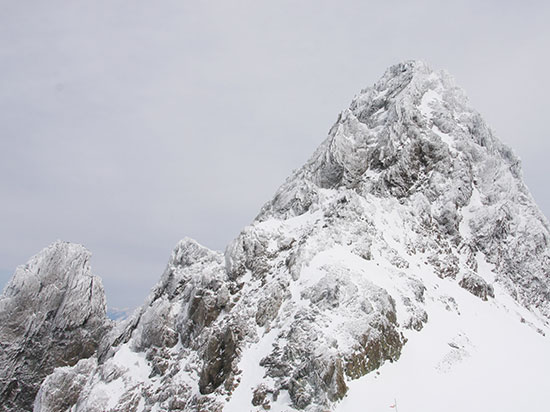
[
  {"x": 170, "y": 351},
  {"x": 52, "y": 314}
]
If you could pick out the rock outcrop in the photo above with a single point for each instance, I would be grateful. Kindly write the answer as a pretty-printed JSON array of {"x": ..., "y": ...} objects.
[{"x": 52, "y": 314}]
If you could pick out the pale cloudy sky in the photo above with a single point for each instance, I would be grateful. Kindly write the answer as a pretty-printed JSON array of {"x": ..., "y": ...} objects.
[{"x": 127, "y": 125}]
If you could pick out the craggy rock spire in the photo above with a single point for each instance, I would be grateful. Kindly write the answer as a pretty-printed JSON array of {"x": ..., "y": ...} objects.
[{"x": 52, "y": 313}]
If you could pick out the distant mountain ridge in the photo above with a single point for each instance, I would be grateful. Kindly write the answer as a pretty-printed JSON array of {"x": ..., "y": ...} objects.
[
  {"x": 118, "y": 314},
  {"x": 403, "y": 260}
]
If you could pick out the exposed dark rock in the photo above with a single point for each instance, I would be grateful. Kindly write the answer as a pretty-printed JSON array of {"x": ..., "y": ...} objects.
[
  {"x": 477, "y": 286},
  {"x": 221, "y": 351}
]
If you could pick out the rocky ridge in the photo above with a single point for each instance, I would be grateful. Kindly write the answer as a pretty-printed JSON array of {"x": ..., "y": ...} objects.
[{"x": 410, "y": 196}]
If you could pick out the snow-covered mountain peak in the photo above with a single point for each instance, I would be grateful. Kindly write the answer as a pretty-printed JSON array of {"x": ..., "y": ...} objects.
[
  {"x": 408, "y": 84},
  {"x": 407, "y": 238},
  {"x": 413, "y": 127},
  {"x": 188, "y": 251},
  {"x": 404, "y": 80},
  {"x": 410, "y": 107}
]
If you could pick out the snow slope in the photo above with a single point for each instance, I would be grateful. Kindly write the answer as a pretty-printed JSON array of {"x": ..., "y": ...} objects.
[{"x": 483, "y": 358}]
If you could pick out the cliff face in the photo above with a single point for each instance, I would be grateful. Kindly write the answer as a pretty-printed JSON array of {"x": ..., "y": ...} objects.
[
  {"x": 52, "y": 313},
  {"x": 410, "y": 214}
]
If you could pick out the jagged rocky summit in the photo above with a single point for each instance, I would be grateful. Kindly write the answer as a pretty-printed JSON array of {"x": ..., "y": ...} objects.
[
  {"x": 407, "y": 246},
  {"x": 52, "y": 314}
]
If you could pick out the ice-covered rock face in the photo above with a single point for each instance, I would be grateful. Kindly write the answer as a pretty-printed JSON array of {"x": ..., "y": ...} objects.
[
  {"x": 413, "y": 138},
  {"x": 410, "y": 201},
  {"x": 52, "y": 313}
]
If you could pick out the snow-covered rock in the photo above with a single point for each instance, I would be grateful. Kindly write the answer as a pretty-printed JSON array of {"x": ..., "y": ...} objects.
[
  {"x": 408, "y": 227},
  {"x": 52, "y": 313},
  {"x": 166, "y": 353}
]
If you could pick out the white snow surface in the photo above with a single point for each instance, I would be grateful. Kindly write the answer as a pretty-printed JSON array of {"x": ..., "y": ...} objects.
[{"x": 481, "y": 359}]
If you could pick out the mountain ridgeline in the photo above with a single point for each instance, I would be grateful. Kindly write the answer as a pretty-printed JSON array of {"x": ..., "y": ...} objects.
[{"x": 411, "y": 210}]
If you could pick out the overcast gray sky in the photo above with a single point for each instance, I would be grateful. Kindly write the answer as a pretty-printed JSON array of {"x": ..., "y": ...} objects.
[{"x": 127, "y": 125}]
